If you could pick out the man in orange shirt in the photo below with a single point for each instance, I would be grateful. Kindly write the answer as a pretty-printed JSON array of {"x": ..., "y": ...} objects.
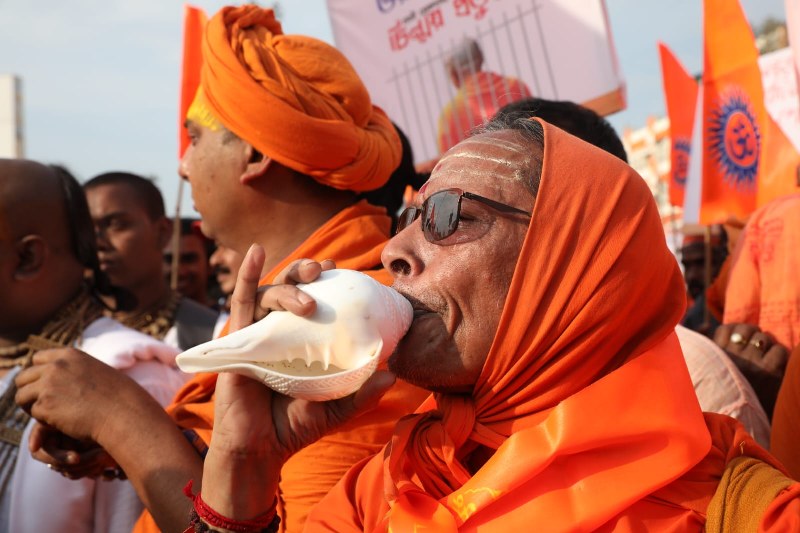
[
  {"x": 479, "y": 94},
  {"x": 545, "y": 305},
  {"x": 284, "y": 137}
]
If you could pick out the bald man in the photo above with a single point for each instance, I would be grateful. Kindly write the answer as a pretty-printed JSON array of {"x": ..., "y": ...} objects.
[{"x": 46, "y": 249}]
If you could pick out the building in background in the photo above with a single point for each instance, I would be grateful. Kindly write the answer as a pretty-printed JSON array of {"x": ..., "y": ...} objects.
[
  {"x": 648, "y": 151},
  {"x": 12, "y": 138},
  {"x": 771, "y": 36}
]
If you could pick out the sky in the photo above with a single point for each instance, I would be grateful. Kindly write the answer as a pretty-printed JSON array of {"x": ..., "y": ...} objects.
[{"x": 101, "y": 77}]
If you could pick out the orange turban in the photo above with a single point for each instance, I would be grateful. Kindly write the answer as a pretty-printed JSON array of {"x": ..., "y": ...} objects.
[{"x": 296, "y": 99}]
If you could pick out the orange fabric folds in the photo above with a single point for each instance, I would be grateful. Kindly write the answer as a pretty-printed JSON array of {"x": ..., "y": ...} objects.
[
  {"x": 680, "y": 93},
  {"x": 734, "y": 117},
  {"x": 764, "y": 288},
  {"x": 354, "y": 239},
  {"x": 194, "y": 20},
  {"x": 584, "y": 398},
  {"x": 296, "y": 99},
  {"x": 786, "y": 418}
]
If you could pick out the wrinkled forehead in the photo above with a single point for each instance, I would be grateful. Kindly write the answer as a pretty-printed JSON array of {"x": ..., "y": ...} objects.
[{"x": 484, "y": 162}]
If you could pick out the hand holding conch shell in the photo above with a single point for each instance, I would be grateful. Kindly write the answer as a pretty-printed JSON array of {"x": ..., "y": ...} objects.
[
  {"x": 256, "y": 429},
  {"x": 326, "y": 354}
]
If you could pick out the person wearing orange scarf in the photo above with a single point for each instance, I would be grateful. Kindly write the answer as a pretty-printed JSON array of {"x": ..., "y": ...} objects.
[
  {"x": 284, "y": 138},
  {"x": 544, "y": 325}
]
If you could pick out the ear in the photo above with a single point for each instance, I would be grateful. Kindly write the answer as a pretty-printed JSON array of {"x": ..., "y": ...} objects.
[
  {"x": 164, "y": 232},
  {"x": 257, "y": 165},
  {"x": 32, "y": 253}
]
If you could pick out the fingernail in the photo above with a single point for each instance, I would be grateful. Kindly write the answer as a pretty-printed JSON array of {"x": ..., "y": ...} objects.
[
  {"x": 304, "y": 298},
  {"x": 307, "y": 262}
]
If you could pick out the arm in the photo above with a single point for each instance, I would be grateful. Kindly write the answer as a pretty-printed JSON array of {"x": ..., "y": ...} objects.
[
  {"x": 256, "y": 429},
  {"x": 90, "y": 401}
]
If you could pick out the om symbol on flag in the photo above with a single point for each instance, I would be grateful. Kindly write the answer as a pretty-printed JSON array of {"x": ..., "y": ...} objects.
[{"x": 734, "y": 138}]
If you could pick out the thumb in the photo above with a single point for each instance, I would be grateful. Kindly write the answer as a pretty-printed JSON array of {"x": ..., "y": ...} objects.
[{"x": 36, "y": 438}]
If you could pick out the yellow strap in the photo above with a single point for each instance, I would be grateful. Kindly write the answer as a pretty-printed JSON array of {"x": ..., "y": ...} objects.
[{"x": 745, "y": 491}]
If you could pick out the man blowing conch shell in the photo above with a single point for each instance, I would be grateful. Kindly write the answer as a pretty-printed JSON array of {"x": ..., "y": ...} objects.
[{"x": 545, "y": 306}]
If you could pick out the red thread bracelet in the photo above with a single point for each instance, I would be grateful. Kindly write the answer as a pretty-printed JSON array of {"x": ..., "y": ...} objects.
[{"x": 213, "y": 518}]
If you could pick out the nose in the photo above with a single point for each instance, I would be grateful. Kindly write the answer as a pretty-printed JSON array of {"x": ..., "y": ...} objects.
[
  {"x": 400, "y": 255},
  {"x": 103, "y": 244},
  {"x": 183, "y": 165}
]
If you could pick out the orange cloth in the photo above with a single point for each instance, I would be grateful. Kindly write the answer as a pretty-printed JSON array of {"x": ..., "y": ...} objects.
[
  {"x": 296, "y": 99},
  {"x": 763, "y": 287},
  {"x": 584, "y": 401},
  {"x": 677, "y": 508},
  {"x": 680, "y": 93},
  {"x": 786, "y": 418},
  {"x": 480, "y": 96},
  {"x": 194, "y": 20},
  {"x": 778, "y": 176},
  {"x": 354, "y": 239}
]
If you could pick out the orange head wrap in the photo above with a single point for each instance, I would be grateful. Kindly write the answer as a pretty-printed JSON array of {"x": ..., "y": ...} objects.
[
  {"x": 584, "y": 395},
  {"x": 296, "y": 100}
]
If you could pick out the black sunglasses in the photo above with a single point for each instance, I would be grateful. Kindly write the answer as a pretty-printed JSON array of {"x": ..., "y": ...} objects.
[{"x": 441, "y": 210}]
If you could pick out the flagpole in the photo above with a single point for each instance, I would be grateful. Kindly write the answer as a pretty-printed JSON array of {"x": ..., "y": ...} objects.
[
  {"x": 707, "y": 280},
  {"x": 176, "y": 238}
]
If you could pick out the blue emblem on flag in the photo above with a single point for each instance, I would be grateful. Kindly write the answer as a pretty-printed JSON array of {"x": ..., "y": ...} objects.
[
  {"x": 734, "y": 139},
  {"x": 680, "y": 160}
]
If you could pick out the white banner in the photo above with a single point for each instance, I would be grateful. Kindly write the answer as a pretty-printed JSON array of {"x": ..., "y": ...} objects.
[
  {"x": 439, "y": 67},
  {"x": 780, "y": 91}
]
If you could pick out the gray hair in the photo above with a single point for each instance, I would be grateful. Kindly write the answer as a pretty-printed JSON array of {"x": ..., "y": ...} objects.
[
  {"x": 529, "y": 133},
  {"x": 466, "y": 57}
]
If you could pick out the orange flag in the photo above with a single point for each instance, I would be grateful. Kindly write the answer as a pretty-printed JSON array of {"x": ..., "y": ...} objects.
[
  {"x": 734, "y": 116},
  {"x": 194, "y": 20},
  {"x": 680, "y": 92},
  {"x": 779, "y": 169}
]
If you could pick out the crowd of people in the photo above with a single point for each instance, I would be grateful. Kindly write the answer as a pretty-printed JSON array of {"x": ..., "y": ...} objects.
[{"x": 545, "y": 379}]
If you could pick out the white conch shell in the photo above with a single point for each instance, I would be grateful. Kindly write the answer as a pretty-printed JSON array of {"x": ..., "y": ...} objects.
[{"x": 357, "y": 324}]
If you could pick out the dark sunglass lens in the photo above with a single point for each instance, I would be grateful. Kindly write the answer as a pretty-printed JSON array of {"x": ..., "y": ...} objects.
[
  {"x": 441, "y": 219},
  {"x": 405, "y": 219}
]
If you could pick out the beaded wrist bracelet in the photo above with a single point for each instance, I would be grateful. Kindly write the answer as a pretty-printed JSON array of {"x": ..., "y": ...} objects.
[{"x": 203, "y": 518}]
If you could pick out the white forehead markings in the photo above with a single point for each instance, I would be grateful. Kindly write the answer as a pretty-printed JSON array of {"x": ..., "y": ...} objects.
[{"x": 467, "y": 152}]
